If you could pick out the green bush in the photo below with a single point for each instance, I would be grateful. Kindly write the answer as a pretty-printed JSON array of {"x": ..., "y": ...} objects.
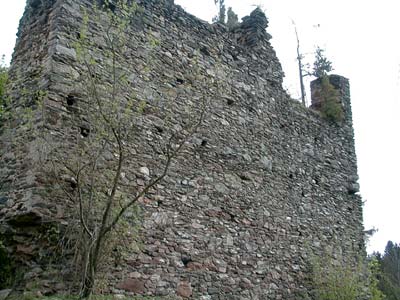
[
  {"x": 3, "y": 83},
  {"x": 331, "y": 107},
  {"x": 334, "y": 282},
  {"x": 339, "y": 281},
  {"x": 375, "y": 274}
]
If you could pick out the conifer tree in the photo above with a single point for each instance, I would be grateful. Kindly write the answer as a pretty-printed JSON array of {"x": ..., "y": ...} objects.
[{"x": 322, "y": 65}]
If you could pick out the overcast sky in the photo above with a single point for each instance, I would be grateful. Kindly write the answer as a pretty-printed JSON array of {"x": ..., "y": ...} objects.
[{"x": 360, "y": 39}]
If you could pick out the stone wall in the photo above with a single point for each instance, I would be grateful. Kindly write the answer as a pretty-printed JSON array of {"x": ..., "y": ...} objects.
[{"x": 265, "y": 185}]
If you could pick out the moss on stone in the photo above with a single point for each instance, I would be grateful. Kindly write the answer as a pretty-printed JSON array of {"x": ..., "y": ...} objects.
[{"x": 331, "y": 108}]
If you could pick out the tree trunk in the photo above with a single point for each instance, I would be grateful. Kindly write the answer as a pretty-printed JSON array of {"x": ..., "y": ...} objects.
[
  {"x": 89, "y": 279},
  {"x": 87, "y": 289},
  {"x": 299, "y": 60}
]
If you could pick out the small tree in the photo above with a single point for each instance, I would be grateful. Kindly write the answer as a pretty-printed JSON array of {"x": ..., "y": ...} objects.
[
  {"x": 339, "y": 280},
  {"x": 391, "y": 262},
  {"x": 233, "y": 19},
  {"x": 375, "y": 275},
  {"x": 220, "y": 17},
  {"x": 322, "y": 66},
  {"x": 92, "y": 169},
  {"x": 389, "y": 282}
]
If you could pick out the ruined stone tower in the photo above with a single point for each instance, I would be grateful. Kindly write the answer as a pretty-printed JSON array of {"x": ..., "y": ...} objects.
[{"x": 261, "y": 188}]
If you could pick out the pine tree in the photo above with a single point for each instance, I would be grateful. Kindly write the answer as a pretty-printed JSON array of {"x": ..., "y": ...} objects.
[
  {"x": 322, "y": 65},
  {"x": 391, "y": 262}
]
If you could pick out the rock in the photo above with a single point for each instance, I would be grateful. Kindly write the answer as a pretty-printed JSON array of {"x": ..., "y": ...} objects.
[
  {"x": 247, "y": 157},
  {"x": 256, "y": 20},
  {"x": 4, "y": 294},
  {"x": 132, "y": 285},
  {"x": 195, "y": 266},
  {"x": 184, "y": 289},
  {"x": 245, "y": 283},
  {"x": 3, "y": 200},
  {"x": 135, "y": 275},
  {"x": 266, "y": 163},
  {"x": 145, "y": 171},
  {"x": 353, "y": 188},
  {"x": 60, "y": 286},
  {"x": 253, "y": 28},
  {"x": 219, "y": 187},
  {"x": 233, "y": 181},
  {"x": 212, "y": 290},
  {"x": 27, "y": 250},
  {"x": 228, "y": 151},
  {"x": 224, "y": 122},
  {"x": 229, "y": 241},
  {"x": 65, "y": 52},
  {"x": 31, "y": 218}
]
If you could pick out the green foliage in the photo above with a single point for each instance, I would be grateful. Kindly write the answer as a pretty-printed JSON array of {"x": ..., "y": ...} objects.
[
  {"x": 391, "y": 262},
  {"x": 388, "y": 276},
  {"x": 3, "y": 85},
  {"x": 322, "y": 66},
  {"x": 391, "y": 291},
  {"x": 233, "y": 19},
  {"x": 375, "y": 273},
  {"x": 331, "y": 107},
  {"x": 336, "y": 282}
]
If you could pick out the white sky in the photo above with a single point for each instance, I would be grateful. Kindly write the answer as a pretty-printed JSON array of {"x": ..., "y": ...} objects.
[{"x": 360, "y": 39}]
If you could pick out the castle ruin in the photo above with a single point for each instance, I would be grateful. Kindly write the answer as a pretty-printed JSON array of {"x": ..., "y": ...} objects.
[{"x": 264, "y": 185}]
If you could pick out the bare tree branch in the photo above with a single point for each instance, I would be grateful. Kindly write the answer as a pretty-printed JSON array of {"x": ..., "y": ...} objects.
[{"x": 169, "y": 157}]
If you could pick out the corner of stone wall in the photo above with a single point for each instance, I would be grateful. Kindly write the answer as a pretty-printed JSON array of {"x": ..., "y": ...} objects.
[{"x": 342, "y": 85}]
